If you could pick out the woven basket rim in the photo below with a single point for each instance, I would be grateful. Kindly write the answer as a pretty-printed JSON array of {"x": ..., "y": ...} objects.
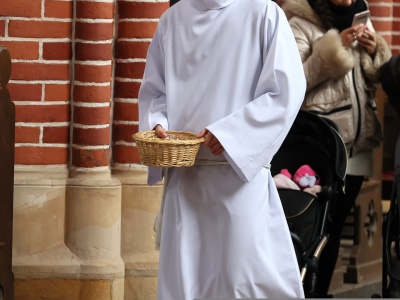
[{"x": 139, "y": 137}]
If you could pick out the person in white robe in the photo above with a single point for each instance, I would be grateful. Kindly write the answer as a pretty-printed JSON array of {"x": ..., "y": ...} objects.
[{"x": 230, "y": 71}]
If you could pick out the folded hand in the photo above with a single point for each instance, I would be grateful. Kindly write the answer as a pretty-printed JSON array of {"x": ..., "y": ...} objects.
[{"x": 211, "y": 142}]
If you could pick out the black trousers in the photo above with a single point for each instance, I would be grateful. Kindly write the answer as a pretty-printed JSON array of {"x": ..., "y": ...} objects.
[{"x": 340, "y": 208}]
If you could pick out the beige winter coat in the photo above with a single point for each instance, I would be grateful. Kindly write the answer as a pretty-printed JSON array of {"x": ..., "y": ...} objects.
[{"x": 340, "y": 81}]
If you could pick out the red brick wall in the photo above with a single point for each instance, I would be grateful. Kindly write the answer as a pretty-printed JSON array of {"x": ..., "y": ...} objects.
[
  {"x": 38, "y": 35},
  {"x": 382, "y": 13},
  {"x": 84, "y": 67}
]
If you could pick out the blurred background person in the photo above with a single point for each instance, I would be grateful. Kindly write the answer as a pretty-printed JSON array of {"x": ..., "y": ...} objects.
[{"x": 341, "y": 62}]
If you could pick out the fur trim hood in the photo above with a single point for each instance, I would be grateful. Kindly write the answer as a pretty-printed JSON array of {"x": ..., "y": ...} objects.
[{"x": 302, "y": 9}]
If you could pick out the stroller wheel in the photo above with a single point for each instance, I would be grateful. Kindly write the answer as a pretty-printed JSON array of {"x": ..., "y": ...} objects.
[{"x": 376, "y": 296}]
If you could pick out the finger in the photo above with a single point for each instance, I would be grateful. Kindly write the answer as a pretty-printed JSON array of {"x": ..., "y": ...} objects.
[
  {"x": 372, "y": 38},
  {"x": 356, "y": 32},
  {"x": 369, "y": 32},
  {"x": 160, "y": 131},
  {"x": 211, "y": 141},
  {"x": 202, "y": 133},
  {"x": 214, "y": 141},
  {"x": 370, "y": 35},
  {"x": 367, "y": 43},
  {"x": 208, "y": 138},
  {"x": 215, "y": 147},
  {"x": 364, "y": 43},
  {"x": 365, "y": 39},
  {"x": 359, "y": 27},
  {"x": 356, "y": 29},
  {"x": 218, "y": 151}
]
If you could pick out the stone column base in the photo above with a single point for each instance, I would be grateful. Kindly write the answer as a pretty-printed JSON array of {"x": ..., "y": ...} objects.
[
  {"x": 67, "y": 236},
  {"x": 71, "y": 289},
  {"x": 140, "y": 204}
]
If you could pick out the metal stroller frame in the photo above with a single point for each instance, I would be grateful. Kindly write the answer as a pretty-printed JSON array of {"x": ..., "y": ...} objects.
[{"x": 315, "y": 141}]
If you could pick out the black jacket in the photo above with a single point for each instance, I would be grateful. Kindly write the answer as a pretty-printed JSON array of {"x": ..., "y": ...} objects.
[{"x": 390, "y": 80}]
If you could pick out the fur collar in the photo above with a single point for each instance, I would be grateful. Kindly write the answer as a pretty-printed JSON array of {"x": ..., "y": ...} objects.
[{"x": 301, "y": 8}]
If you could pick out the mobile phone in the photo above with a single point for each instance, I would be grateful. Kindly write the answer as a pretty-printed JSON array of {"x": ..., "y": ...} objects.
[{"x": 361, "y": 17}]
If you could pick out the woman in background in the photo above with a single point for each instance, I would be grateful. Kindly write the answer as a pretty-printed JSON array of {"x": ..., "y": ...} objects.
[{"x": 341, "y": 63}]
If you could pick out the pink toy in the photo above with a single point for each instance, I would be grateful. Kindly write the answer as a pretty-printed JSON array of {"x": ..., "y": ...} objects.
[{"x": 305, "y": 177}]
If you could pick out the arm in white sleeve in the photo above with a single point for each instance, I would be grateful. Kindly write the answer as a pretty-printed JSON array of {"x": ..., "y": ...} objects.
[
  {"x": 253, "y": 134},
  {"x": 152, "y": 99}
]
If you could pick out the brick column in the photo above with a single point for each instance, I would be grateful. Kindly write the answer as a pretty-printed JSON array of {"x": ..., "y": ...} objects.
[
  {"x": 93, "y": 198},
  {"x": 94, "y": 29},
  {"x": 136, "y": 25}
]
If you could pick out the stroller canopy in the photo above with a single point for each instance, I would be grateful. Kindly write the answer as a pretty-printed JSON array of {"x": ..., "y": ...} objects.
[{"x": 315, "y": 141}]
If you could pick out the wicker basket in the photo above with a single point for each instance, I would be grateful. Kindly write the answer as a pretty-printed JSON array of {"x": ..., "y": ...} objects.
[{"x": 179, "y": 149}]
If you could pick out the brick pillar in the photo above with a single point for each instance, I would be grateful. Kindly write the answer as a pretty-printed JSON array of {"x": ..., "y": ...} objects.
[
  {"x": 136, "y": 25},
  {"x": 93, "y": 198},
  {"x": 94, "y": 29}
]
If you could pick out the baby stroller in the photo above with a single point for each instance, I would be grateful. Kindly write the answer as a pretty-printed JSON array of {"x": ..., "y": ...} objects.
[
  {"x": 314, "y": 141},
  {"x": 390, "y": 79}
]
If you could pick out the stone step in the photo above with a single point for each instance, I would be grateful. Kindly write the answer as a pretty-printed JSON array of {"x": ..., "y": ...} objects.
[{"x": 368, "y": 289}]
